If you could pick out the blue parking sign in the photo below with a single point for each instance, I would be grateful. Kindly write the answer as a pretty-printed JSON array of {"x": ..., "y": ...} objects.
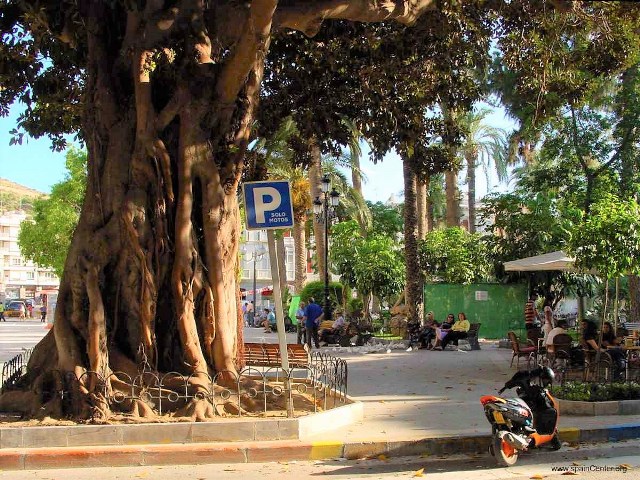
[{"x": 268, "y": 205}]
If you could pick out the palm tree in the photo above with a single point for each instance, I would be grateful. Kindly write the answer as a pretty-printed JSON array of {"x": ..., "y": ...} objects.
[
  {"x": 483, "y": 145},
  {"x": 355, "y": 152},
  {"x": 436, "y": 201},
  {"x": 413, "y": 286}
]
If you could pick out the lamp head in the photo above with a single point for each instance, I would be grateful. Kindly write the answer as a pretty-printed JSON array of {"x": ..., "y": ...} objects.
[
  {"x": 335, "y": 198},
  {"x": 324, "y": 186}
]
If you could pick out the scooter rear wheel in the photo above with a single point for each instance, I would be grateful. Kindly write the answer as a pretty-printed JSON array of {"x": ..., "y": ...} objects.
[
  {"x": 505, "y": 454},
  {"x": 555, "y": 443}
]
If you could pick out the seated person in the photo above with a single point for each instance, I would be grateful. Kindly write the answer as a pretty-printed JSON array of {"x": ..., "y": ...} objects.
[
  {"x": 269, "y": 321},
  {"x": 337, "y": 326},
  {"x": 428, "y": 332},
  {"x": 443, "y": 330},
  {"x": 561, "y": 328},
  {"x": 458, "y": 331},
  {"x": 258, "y": 319},
  {"x": 609, "y": 338},
  {"x": 589, "y": 342}
]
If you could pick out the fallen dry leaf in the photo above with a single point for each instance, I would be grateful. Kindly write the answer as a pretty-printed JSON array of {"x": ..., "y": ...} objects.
[
  {"x": 537, "y": 476},
  {"x": 419, "y": 473},
  {"x": 382, "y": 457},
  {"x": 626, "y": 466}
]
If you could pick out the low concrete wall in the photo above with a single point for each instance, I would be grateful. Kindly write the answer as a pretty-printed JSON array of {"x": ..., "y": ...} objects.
[
  {"x": 619, "y": 407},
  {"x": 222, "y": 430}
]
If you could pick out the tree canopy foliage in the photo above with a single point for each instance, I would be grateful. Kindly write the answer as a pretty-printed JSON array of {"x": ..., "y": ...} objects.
[
  {"x": 454, "y": 255},
  {"x": 373, "y": 264},
  {"x": 45, "y": 238}
]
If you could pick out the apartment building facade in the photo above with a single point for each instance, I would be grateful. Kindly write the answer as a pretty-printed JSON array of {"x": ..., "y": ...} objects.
[{"x": 20, "y": 278}]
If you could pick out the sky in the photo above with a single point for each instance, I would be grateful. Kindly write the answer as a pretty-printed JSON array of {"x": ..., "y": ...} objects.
[
  {"x": 385, "y": 178},
  {"x": 31, "y": 164},
  {"x": 34, "y": 165}
]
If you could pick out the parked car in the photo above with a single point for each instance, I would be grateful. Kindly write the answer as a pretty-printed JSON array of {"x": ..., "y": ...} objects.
[{"x": 16, "y": 309}]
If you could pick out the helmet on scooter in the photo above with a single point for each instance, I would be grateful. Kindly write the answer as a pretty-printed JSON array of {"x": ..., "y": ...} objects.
[{"x": 546, "y": 376}]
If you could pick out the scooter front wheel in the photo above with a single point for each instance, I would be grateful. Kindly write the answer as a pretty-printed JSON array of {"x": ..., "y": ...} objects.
[{"x": 504, "y": 453}]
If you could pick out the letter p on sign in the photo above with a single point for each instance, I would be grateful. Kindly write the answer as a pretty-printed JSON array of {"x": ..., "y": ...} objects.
[
  {"x": 268, "y": 205},
  {"x": 266, "y": 199}
]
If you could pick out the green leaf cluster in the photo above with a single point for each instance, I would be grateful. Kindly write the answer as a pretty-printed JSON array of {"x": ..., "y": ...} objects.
[
  {"x": 608, "y": 240},
  {"x": 454, "y": 255},
  {"x": 597, "y": 392},
  {"x": 372, "y": 264},
  {"x": 45, "y": 238}
]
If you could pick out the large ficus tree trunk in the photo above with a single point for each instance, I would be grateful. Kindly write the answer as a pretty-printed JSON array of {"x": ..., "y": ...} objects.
[{"x": 169, "y": 98}]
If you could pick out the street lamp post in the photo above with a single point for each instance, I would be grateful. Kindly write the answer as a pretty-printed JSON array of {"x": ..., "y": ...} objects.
[
  {"x": 256, "y": 255},
  {"x": 324, "y": 209}
]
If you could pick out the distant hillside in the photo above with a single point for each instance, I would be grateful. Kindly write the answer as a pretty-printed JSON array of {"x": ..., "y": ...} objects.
[{"x": 14, "y": 196}]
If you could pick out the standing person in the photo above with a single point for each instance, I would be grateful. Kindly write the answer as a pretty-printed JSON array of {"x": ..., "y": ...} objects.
[
  {"x": 312, "y": 318},
  {"x": 547, "y": 313},
  {"x": 530, "y": 317},
  {"x": 458, "y": 330},
  {"x": 300, "y": 319},
  {"x": 2, "y": 319},
  {"x": 244, "y": 314},
  {"x": 250, "y": 313},
  {"x": 43, "y": 313},
  {"x": 30, "y": 310}
]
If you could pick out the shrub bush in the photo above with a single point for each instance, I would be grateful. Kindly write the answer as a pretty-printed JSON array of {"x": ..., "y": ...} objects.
[
  {"x": 597, "y": 392},
  {"x": 316, "y": 290}
]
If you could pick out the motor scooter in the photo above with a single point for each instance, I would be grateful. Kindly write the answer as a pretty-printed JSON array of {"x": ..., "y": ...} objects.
[{"x": 526, "y": 422}]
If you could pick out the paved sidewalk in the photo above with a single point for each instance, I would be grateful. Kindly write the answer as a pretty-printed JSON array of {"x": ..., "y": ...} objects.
[
  {"x": 412, "y": 395},
  {"x": 414, "y": 402}
]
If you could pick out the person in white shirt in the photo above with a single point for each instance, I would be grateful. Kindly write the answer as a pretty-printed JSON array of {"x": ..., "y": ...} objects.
[
  {"x": 561, "y": 328},
  {"x": 339, "y": 322}
]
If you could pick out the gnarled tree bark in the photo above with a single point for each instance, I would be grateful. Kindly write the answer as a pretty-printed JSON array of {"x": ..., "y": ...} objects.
[{"x": 150, "y": 279}]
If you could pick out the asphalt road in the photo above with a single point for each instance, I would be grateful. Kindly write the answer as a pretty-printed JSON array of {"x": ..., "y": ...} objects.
[
  {"x": 17, "y": 335},
  {"x": 602, "y": 461}
]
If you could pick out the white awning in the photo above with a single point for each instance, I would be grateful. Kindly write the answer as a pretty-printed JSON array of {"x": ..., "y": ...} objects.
[{"x": 549, "y": 261}]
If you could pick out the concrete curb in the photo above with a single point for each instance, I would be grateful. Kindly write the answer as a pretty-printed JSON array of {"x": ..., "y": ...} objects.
[
  {"x": 281, "y": 450},
  {"x": 617, "y": 407},
  {"x": 231, "y": 430}
]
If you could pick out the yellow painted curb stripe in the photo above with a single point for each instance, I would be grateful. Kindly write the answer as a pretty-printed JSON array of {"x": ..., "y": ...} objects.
[
  {"x": 322, "y": 450},
  {"x": 571, "y": 435}
]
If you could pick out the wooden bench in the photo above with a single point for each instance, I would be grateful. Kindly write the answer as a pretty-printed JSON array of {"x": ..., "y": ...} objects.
[
  {"x": 268, "y": 355},
  {"x": 472, "y": 336}
]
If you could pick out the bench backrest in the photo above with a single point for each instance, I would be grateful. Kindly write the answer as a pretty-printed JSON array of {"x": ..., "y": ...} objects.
[
  {"x": 268, "y": 354},
  {"x": 473, "y": 329}
]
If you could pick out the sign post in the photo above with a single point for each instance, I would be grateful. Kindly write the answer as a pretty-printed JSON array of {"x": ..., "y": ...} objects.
[{"x": 268, "y": 206}]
